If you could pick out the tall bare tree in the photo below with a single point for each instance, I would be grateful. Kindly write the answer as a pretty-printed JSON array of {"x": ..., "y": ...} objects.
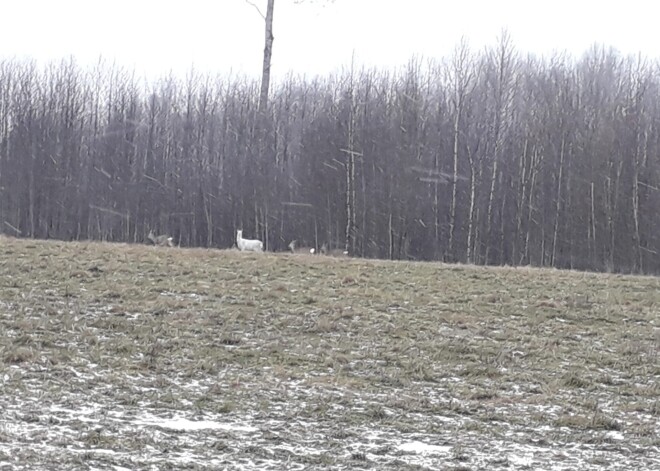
[
  {"x": 461, "y": 78},
  {"x": 268, "y": 53},
  {"x": 502, "y": 65}
]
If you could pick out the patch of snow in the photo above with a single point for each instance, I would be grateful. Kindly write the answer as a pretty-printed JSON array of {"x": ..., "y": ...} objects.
[
  {"x": 521, "y": 460},
  {"x": 423, "y": 448},
  {"x": 614, "y": 435}
]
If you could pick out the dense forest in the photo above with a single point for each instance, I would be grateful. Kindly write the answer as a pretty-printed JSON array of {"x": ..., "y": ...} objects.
[{"x": 487, "y": 157}]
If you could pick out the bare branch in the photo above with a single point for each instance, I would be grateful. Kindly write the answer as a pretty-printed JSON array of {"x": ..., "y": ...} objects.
[
  {"x": 108, "y": 210},
  {"x": 13, "y": 228},
  {"x": 293, "y": 203},
  {"x": 256, "y": 8}
]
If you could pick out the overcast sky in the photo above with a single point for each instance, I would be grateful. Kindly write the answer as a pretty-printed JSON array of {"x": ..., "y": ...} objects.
[{"x": 315, "y": 36}]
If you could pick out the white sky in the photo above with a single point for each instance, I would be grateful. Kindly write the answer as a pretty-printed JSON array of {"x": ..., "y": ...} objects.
[{"x": 314, "y": 37}]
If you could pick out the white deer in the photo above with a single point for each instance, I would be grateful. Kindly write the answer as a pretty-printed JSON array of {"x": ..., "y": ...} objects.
[
  {"x": 163, "y": 240},
  {"x": 293, "y": 246},
  {"x": 249, "y": 245}
]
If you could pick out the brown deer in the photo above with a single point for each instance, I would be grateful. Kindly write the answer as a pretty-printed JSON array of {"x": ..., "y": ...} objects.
[
  {"x": 333, "y": 252},
  {"x": 162, "y": 240},
  {"x": 293, "y": 246}
]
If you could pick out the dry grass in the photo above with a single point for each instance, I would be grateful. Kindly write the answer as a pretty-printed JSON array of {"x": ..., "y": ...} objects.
[{"x": 426, "y": 350}]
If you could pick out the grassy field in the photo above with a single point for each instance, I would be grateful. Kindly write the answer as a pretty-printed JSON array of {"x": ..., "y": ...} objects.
[{"x": 118, "y": 356}]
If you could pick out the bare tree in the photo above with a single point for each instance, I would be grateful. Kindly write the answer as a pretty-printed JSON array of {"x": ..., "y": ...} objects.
[
  {"x": 268, "y": 52},
  {"x": 461, "y": 78},
  {"x": 502, "y": 63}
]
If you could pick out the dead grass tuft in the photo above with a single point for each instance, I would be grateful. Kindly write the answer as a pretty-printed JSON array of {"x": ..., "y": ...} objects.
[
  {"x": 576, "y": 379},
  {"x": 597, "y": 421},
  {"x": 20, "y": 355}
]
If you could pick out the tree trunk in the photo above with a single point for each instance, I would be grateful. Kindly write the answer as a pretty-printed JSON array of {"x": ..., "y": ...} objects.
[
  {"x": 350, "y": 179},
  {"x": 521, "y": 201},
  {"x": 471, "y": 220},
  {"x": 503, "y": 220},
  {"x": 208, "y": 212},
  {"x": 436, "y": 210},
  {"x": 558, "y": 202},
  {"x": 592, "y": 228},
  {"x": 636, "y": 205},
  {"x": 268, "y": 52},
  {"x": 489, "y": 211},
  {"x": 530, "y": 205},
  {"x": 613, "y": 214},
  {"x": 454, "y": 182},
  {"x": 350, "y": 197},
  {"x": 391, "y": 237}
]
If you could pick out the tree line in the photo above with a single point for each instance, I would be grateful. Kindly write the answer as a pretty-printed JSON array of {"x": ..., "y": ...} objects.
[{"x": 487, "y": 157}]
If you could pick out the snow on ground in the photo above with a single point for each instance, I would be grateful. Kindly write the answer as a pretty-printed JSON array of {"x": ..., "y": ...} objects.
[
  {"x": 106, "y": 435},
  {"x": 183, "y": 424},
  {"x": 423, "y": 448}
]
